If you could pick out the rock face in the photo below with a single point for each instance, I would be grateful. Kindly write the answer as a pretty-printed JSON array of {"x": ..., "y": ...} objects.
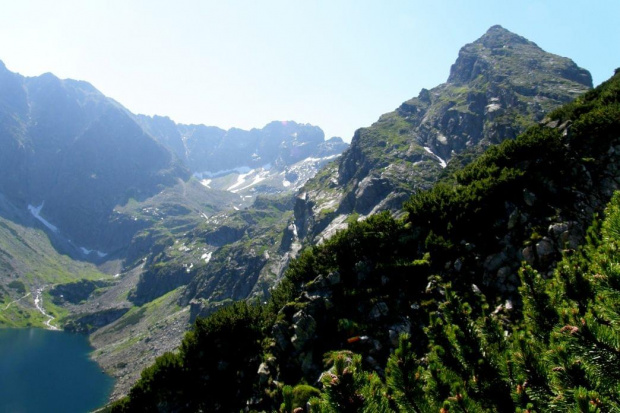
[
  {"x": 499, "y": 85},
  {"x": 285, "y": 150},
  {"x": 276, "y": 159}
]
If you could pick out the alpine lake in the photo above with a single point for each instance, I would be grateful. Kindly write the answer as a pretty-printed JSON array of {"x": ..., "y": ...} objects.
[{"x": 49, "y": 371}]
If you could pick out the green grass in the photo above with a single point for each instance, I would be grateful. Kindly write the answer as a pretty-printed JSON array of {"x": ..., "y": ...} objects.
[{"x": 29, "y": 261}]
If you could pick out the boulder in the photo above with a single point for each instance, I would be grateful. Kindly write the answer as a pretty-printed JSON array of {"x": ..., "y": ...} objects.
[
  {"x": 304, "y": 328},
  {"x": 378, "y": 310},
  {"x": 545, "y": 250},
  {"x": 494, "y": 262}
]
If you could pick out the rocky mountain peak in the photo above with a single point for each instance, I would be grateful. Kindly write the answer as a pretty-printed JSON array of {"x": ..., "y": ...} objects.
[
  {"x": 503, "y": 55},
  {"x": 498, "y": 37},
  {"x": 499, "y": 85}
]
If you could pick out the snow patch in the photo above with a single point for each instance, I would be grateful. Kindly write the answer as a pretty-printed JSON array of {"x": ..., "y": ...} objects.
[
  {"x": 286, "y": 183},
  {"x": 441, "y": 161},
  {"x": 493, "y": 107},
  {"x": 206, "y": 182},
  {"x": 206, "y": 257},
  {"x": 326, "y": 158},
  {"x": 241, "y": 180},
  {"x": 36, "y": 212},
  {"x": 86, "y": 251}
]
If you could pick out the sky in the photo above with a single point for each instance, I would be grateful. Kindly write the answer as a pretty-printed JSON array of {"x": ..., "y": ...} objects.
[{"x": 338, "y": 64}]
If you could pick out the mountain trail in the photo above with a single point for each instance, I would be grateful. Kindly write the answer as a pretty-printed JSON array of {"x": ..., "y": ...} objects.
[{"x": 14, "y": 301}]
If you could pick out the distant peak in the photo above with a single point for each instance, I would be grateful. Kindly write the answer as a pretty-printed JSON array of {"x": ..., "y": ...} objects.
[
  {"x": 497, "y": 36},
  {"x": 497, "y": 29},
  {"x": 49, "y": 76}
]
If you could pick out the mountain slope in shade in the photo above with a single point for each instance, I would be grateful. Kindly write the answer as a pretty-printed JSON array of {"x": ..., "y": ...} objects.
[
  {"x": 71, "y": 154},
  {"x": 499, "y": 85}
]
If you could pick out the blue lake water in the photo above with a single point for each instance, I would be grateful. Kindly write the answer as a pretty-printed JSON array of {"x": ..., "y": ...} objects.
[{"x": 49, "y": 371}]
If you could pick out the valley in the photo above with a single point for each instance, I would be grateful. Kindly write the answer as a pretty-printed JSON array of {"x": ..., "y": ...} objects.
[
  {"x": 277, "y": 247},
  {"x": 116, "y": 216}
]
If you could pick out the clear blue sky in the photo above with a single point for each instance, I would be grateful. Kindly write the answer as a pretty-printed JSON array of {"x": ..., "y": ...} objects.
[{"x": 338, "y": 64}]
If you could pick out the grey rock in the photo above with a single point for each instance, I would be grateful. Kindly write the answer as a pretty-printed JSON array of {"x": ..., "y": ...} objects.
[
  {"x": 281, "y": 336},
  {"x": 372, "y": 362},
  {"x": 493, "y": 262},
  {"x": 529, "y": 255},
  {"x": 263, "y": 373},
  {"x": 307, "y": 365},
  {"x": 394, "y": 332},
  {"x": 556, "y": 230},
  {"x": 370, "y": 191},
  {"x": 393, "y": 335},
  {"x": 503, "y": 274},
  {"x": 573, "y": 240},
  {"x": 545, "y": 250},
  {"x": 334, "y": 278},
  {"x": 528, "y": 197},
  {"x": 378, "y": 310},
  {"x": 513, "y": 280},
  {"x": 513, "y": 219},
  {"x": 304, "y": 329}
]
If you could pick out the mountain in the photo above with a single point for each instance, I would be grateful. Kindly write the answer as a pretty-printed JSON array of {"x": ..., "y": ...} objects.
[
  {"x": 499, "y": 85},
  {"x": 111, "y": 219},
  {"x": 480, "y": 299},
  {"x": 70, "y": 155},
  {"x": 241, "y": 255},
  {"x": 204, "y": 235},
  {"x": 277, "y": 158}
]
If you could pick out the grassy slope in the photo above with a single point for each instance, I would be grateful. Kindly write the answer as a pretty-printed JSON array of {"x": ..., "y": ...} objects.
[{"x": 27, "y": 256}]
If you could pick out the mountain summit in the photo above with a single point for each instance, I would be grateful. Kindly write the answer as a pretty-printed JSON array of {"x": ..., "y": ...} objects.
[
  {"x": 504, "y": 55},
  {"x": 499, "y": 85}
]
